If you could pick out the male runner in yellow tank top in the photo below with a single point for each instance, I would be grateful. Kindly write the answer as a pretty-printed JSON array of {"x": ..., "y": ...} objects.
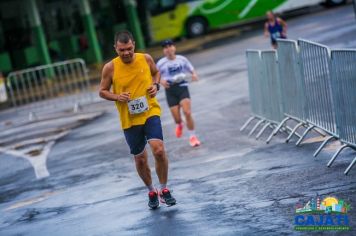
[{"x": 135, "y": 81}]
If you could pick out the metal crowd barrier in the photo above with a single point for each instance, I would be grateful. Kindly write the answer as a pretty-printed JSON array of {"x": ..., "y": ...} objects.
[
  {"x": 343, "y": 67},
  {"x": 293, "y": 91},
  {"x": 255, "y": 90},
  {"x": 270, "y": 77},
  {"x": 309, "y": 84},
  {"x": 315, "y": 64},
  {"x": 271, "y": 85},
  {"x": 291, "y": 86},
  {"x": 264, "y": 88},
  {"x": 56, "y": 85},
  {"x": 315, "y": 59}
]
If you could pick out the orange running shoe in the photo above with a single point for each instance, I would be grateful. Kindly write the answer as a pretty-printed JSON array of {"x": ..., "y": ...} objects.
[
  {"x": 194, "y": 141},
  {"x": 179, "y": 130}
]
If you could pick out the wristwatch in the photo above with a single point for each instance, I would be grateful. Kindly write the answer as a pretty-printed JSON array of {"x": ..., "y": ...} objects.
[{"x": 158, "y": 86}]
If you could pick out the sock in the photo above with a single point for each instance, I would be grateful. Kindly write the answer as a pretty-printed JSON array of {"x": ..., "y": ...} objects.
[
  {"x": 191, "y": 133},
  {"x": 180, "y": 125},
  {"x": 151, "y": 188},
  {"x": 163, "y": 186}
]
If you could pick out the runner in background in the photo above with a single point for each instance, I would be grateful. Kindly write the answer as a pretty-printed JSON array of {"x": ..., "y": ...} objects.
[
  {"x": 174, "y": 70},
  {"x": 275, "y": 28}
]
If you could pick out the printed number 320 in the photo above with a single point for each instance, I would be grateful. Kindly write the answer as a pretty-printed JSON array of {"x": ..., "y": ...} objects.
[{"x": 137, "y": 106}]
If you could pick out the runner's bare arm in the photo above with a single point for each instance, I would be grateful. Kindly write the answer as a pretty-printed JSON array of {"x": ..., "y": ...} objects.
[
  {"x": 105, "y": 85},
  {"x": 164, "y": 83},
  {"x": 153, "y": 68},
  {"x": 266, "y": 33},
  {"x": 152, "y": 90},
  {"x": 194, "y": 76}
]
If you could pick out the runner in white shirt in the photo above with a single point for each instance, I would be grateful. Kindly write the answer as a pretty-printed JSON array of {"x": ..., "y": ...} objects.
[{"x": 174, "y": 70}]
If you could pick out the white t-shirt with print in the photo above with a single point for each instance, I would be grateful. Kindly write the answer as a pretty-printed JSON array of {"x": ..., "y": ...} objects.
[{"x": 175, "y": 71}]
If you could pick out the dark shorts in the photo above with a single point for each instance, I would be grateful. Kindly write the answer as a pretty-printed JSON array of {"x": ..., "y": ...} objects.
[
  {"x": 138, "y": 135},
  {"x": 175, "y": 94}
]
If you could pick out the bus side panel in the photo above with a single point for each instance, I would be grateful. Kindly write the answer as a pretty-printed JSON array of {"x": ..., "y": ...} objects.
[
  {"x": 169, "y": 24},
  {"x": 224, "y": 12},
  {"x": 261, "y": 7},
  {"x": 290, "y": 5}
]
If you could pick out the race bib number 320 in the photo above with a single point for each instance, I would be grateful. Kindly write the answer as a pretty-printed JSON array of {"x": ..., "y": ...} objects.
[{"x": 138, "y": 105}]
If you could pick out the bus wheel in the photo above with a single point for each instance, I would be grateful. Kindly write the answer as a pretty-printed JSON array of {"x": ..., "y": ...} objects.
[
  {"x": 196, "y": 26},
  {"x": 335, "y": 2}
]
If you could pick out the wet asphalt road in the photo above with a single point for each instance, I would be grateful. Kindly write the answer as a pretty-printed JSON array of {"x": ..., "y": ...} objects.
[{"x": 231, "y": 185}]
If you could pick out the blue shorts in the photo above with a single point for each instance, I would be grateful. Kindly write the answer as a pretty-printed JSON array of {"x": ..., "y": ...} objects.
[{"x": 138, "y": 135}]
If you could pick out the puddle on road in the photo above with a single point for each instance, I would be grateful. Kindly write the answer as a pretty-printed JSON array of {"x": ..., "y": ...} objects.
[
  {"x": 260, "y": 204},
  {"x": 289, "y": 201},
  {"x": 277, "y": 167},
  {"x": 37, "y": 214},
  {"x": 35, "y": 152}
]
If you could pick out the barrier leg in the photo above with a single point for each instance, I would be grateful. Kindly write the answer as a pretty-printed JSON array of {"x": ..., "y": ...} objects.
[
  {"x": 293, "y": 131},
  {"x": 304, "y": 134},
  {"x": 323, "y": 145},
  {"x": 262, "y": 130},
  {"x": 77, "y": 107},
  {"x": 336, "y": 154},
  {"x": 13, "y": 98},
  {"x": 255, "y": 127},
  {"x": 288, "y": 130},
  {"x": 350, "y": 166},
  {"x": 32, "y": 116},
  {"x": 275, "y": 131},
  {"x": 248, "y": 122}
]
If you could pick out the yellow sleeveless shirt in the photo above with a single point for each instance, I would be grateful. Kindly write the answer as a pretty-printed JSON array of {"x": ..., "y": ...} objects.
[{"x": 134, "y": 78}]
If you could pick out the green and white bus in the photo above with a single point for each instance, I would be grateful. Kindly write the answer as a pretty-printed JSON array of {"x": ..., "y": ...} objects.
[{"x": 176, "y": 18}]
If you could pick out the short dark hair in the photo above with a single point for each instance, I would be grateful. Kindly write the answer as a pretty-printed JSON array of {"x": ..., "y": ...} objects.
[
  {"x": 123, "y": 37},
  {"x": 167, "y": 42}
]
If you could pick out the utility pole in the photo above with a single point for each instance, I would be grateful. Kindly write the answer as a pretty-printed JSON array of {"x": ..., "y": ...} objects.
[
  {"x": 134, "y": 23},
  {"x": 37, "y": 28},
  {"x": 90, "y": 30}
]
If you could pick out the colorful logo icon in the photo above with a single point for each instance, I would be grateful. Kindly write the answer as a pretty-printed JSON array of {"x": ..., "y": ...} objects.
[
  {"x": 329, "y": 213},
  {"x": 327, "y": 205}
]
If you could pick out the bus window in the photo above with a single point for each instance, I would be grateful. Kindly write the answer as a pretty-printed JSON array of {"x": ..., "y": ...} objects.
[
  {"x": 160, "y": 6},
  {"x": 167, "y": 3}
]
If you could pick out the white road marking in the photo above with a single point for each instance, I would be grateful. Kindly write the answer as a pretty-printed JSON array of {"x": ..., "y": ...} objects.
[{"x": 38, "y": 162}]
